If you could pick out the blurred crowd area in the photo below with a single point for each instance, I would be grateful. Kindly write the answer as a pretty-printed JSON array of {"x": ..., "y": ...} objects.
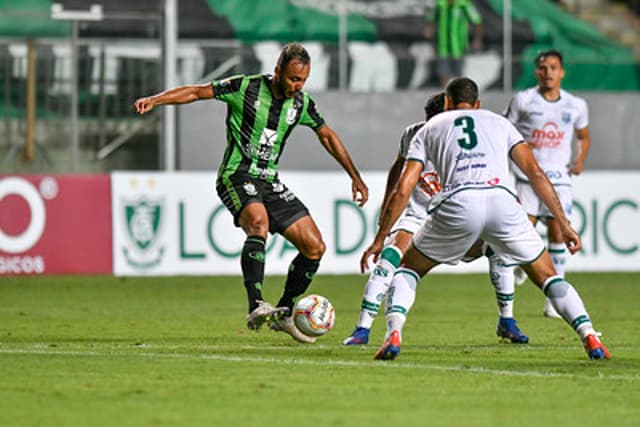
[{"x": 359, "y": 46}]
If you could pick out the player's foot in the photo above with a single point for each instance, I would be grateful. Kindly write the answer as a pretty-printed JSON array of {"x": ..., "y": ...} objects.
[
  {"x": 260, "y": 314},
  {"x": 508, "y": 329},
  {"x": 360, "y": 336},
  {"x": 519, "y": 275},
  {"x": 281, "y": 322},
  {"x": 390, "y": 348},
  {"x": 549, "y": 310},
  {"x": 595, "y": 349}
]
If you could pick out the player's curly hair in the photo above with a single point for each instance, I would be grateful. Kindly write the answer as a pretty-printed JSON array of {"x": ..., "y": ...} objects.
[
  {"x": 293, "y": 51},
  {"x": 462, "y": 90},
  {"x": 434, "y": 105}
]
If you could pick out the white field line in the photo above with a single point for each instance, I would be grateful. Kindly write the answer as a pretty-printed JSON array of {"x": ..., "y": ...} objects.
[{"x": 326, "y": 362}]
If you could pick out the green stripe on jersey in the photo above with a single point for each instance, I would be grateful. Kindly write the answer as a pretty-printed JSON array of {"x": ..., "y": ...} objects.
[{"x": 258, "y": 124}]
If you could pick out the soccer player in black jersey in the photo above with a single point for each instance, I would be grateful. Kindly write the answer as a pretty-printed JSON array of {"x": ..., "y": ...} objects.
[{"x": 262, "y": 112}]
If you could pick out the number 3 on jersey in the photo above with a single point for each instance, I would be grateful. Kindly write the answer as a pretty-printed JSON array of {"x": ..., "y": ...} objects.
[{"x": 470, "y": 139}]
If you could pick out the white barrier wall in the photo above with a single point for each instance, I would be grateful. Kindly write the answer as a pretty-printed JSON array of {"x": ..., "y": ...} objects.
[{"x": 170, "y": 224}]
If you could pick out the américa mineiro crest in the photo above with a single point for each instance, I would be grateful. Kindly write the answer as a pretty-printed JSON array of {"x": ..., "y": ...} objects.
[{"x": 143, "y": 219}]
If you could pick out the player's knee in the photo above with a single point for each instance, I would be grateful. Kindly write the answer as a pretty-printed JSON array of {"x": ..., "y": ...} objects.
[
  {"x": 314, "y": 249},
  {"x": 317, "y": 250},
  {"x": 256, "y": 225}
]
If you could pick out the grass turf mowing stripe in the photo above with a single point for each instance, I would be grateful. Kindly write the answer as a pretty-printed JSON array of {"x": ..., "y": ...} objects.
[{"x": 334, "y": 362}]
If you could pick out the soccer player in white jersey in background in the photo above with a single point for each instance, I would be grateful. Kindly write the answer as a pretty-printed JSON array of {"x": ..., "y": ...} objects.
[
  {"x": 547, "y": 117},
  {"x": 470, "y": 150},
  {"x": 375, "y": 290}
]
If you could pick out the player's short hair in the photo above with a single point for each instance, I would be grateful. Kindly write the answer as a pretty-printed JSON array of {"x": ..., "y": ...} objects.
[
  {"x": 434, "y": 105},
  {"x": 293, "y": 51},
  {"x": 545, "y": 53},
  {"x": 462, "y": 90}
]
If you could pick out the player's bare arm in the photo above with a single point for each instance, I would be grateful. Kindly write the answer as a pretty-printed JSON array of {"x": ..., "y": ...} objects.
[
  {"x": 178, "y": 95},
  {"x": 332, "y": 143},
  {"x": 523, "y": 157},
  {"x": 584, "y": 143},
  {"x": 397, "y": 202}
]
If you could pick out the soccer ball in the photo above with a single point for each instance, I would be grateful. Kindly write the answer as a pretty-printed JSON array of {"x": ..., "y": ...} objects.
[{"x": 314, "y": 315}]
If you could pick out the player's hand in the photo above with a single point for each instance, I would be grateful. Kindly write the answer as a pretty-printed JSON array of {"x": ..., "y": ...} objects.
[
  {"x": 143, "y": 105},
  {"x": 571, "y": 239},
  {"x": 576, "y": 169},
  {"x": 373, "y": 250},
  {"x": 360, "y": 192}
]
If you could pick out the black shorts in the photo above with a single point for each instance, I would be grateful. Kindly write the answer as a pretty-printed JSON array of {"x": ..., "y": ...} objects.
[{"x": 283, "y": 207}]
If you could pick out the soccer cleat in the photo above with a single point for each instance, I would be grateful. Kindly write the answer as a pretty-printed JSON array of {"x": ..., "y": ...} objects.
[
  {"x": 595, "y": 349},
  {"x": 283, "y": 323},
  {"x": 390, "y": 348},
  {"x": 508, "y": 329},
  {"x": 520, "y": 276},
  {"x": 260, "y": 314},
  {"x": 549, "y": 310},
  {"x": 360, "y": 336}
]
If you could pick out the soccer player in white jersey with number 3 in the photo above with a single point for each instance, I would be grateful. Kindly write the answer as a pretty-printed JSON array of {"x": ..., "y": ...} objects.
[
  {"x": 397, "y": 242},
  {"x": 470, "y": 150},
  {"x": 547, "y": 117}
]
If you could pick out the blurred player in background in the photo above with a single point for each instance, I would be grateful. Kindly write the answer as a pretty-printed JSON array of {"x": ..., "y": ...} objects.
[
  {"x": 470, "y": 149},
  {"x": 262, "y": 112},
  {"x": 447, "y": 25},
  {"x": 547, "y": 116},
  {"x": 403, "y": 230}
]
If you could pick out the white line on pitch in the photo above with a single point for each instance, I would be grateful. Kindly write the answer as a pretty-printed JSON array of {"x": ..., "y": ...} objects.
[{"x": 328, "y": 362}]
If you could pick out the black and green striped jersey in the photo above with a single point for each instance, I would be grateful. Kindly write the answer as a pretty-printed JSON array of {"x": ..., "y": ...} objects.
[
  {"x": 258, "y": 124},
  {"x": 452, "y": 22}
]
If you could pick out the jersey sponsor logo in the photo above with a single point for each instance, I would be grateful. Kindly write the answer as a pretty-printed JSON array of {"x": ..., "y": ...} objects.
[{"x": 550, "y": 136}]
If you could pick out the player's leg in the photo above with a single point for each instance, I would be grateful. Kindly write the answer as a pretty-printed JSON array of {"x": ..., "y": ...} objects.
[
  {"x": 254, "y": 221},
  {"x": 400, "y": 299},
  {"x": 516, "y": 241},
  {"x": 558, "y": 253},
  {"x": 567, "y": 303},
  {"x": 503, "y": 280},
  {"x": 305, "y": 236},
  {"x": 445, "y": 236},
  {"x": 377, "y": 285},
  {"x": 243, "y": 199}
]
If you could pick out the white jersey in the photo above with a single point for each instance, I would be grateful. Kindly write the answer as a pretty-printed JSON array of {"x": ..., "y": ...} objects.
[
  {"x": 429, "y": 183},
  {"x": 469, "y": 149},
  {"x": 548, "y": 127}
]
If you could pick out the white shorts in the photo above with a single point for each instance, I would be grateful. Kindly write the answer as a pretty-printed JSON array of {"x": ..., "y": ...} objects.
[
  {"x": 533, "y": 205},
  {"x": 493, "y": 215},
  {"x": 411, "y": 219}
]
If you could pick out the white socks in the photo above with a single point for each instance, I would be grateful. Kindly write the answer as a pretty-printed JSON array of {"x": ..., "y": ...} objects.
[
  {"x": 503, "y": 280},
  {"x": 377, "y": 285},
  {"x": 568, "y": 304}
]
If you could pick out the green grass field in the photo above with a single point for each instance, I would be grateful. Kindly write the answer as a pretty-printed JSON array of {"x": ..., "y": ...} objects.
[{"x": 104, "y": 351}]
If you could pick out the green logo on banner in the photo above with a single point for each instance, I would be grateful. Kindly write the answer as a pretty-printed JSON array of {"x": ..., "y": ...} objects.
[{"x": 143, "y": 220}]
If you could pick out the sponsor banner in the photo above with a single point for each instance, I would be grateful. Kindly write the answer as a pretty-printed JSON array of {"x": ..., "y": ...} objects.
[
  {"x": 55, "y": 224},
  {"x": 169, "y": 224}
]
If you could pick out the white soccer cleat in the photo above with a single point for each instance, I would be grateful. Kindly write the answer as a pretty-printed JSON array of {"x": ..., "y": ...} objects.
[
  {"x": 285, "y": 323},
  {"x": 549, "y": 310},
  {"x": 260, "y": 315}
]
